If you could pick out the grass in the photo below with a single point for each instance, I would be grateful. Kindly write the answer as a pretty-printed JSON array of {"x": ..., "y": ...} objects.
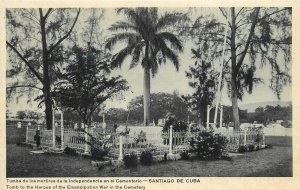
[
  {"x": 276, "y": 161},
  {"x": 14, "y": 135}
]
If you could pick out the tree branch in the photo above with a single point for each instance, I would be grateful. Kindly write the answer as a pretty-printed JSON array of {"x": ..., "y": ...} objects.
[
  {"x": 268, "y": 15},
  {"x": 47, "y": 14},
  {"x": 223, "y": 13},
  {"x": 240, "y": 62},
  {"x": 26, "y": 62},
  {"x": 239, "y": 12},
  {"x": 24, "y": 86},
  {"x": 66, "y": 35}
]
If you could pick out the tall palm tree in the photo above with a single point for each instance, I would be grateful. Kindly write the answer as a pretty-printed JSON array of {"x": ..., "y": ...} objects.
[{"x": 148, "y": 41}]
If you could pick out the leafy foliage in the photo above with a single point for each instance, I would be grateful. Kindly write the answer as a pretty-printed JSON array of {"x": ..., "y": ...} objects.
[
  {"x": 148, "y": 41},
  {"x": 146, "y": 158},
  {"x": 202, "y": 78},
  {"x": 130, "y": 160},
  {"x": 28, "y": 115},
  {"x": 162, "y": 105},
  {"x": 184, "y": 156},
  {"x": 35, "y": 50},
  {"x": 251, "y": 43},
  {"x": 145, "y": 28},
  {"x": 177, "y": 125},
  {"x": 70, "y": 151},
  {"x": 208, "y": 146},
  {"x": 251, "y": 147},
  {"x": 269, "y": 114},
  {"x": 85, "y": 83},
  {"x": 242, "y": 149},
  {"x": 116, "y": 115},
  {"x": 98, "y": 153}
]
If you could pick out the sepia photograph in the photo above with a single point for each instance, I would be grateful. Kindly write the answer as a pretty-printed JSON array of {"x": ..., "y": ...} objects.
[{"x": 149, "y": 92}]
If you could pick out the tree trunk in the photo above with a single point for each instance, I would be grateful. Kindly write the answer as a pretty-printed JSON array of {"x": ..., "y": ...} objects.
[
  {"x": 146, "y": 95},
  {"x": 48, "y": 108},
  {"x": 235, "y": 107},
  {"x": 234, "y": 91},
  {"x": 147, "y": 86},
  {"x": 46, "y": 78}
]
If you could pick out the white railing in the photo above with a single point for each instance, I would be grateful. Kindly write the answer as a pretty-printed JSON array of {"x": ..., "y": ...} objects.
[{"x": 158, "y": 142}]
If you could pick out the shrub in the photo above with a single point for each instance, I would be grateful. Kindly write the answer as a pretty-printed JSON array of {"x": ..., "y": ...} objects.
[
  {"x": 146, "y": 158},
  {"x": 177, "y": 125},
  {"x": 269, "y": 146},
  {"x": 98, "y": 153},
  {"x": 70, "y": 151},
  {"x": 226, "y": 157},
  {"x": 130, "y": 160},
  {"x": 251, "y": 147},
  {"x": 257, "y": 147},
  {"x": 184, "y": 156},
  {"x": 165, "y": 157},
  {"x": 258, "y": 138},
  {"x": 242, "y": 149},
  {"x": 208, "y": 145}
]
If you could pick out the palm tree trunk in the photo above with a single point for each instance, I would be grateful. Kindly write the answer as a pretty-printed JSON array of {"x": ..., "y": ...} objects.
[
  {"x": 147, "y": 86},
  {"x": 146, "y": 95}
]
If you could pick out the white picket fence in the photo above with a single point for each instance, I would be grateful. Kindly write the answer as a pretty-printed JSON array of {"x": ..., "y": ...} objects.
[{"x": 160, "y": 143}]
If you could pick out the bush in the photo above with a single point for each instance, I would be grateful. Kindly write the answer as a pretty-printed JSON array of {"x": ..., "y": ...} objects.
[
  {"x": 257, "y": 147},
  {"x": 98, "y": 153},
  {"x": 242, "y": 149},
  {"x": 258, "y": 138},
  {"x": 146, "y": 158},
  {"x": 130, "y": 160},
  {"x": 269, "y": 146},
  {"x": 226, "y": 157},
  {"x": 177, "y": 125},
  {"x": 70, "y": 151},
  {"x": 208, "y": 145},
  {"x": 251, "y": 147},
  {"x": 184, "y": 156}
]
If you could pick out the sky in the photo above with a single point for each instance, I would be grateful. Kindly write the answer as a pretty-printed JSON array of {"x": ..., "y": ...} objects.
[{"x": 167, "y": 79}]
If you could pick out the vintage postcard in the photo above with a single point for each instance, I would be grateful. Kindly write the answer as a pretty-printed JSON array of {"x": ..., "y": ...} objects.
[{"x": 142, "y": 95}]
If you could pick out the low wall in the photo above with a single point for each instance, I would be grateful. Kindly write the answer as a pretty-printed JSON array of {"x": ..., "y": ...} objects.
[
  {"x": 15, "y": 135},
  {"x": 153, "y": 134},
  {"x": 277, "y": 131}
]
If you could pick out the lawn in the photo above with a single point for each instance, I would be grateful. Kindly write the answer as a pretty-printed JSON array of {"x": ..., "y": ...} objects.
[{"x": 276, "y": 161}]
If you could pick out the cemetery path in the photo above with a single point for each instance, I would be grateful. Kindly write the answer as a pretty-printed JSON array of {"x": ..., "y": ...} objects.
[{"x": 276, "y": 161}]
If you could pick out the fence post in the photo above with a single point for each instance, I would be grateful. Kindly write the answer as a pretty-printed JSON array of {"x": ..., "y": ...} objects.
[
  {"x": 26, "y": 140},
  {"x": 245, "y": 136},
  {"x": 221, "y": 117},
  {"x": 86, "y": 149},
  {"x": 263, "y": 140},
  {"x": 53, "y": 128},
  {"x": 62, "y": 129},
  {"x": 103, "y": 123},
  {"x": 207, "y": 117},
  {"x": 171, "y": 139},
  {"x": 121, "y": 148}
]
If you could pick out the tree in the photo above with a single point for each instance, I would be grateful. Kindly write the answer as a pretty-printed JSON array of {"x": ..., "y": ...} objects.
[
  {"x": 34, "y": 41},
  {"x": 252, "y": 42},
  {"x": 145, "y": 35},
  {"x": 85, "y": 83},
  {"x": 162, "y": 105},
  {"x": 21, "y": 114},
  {"x": 116, "y": 115},
  {"x": 28, "y": 114},
  {"x": 203, "y": 79}
]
